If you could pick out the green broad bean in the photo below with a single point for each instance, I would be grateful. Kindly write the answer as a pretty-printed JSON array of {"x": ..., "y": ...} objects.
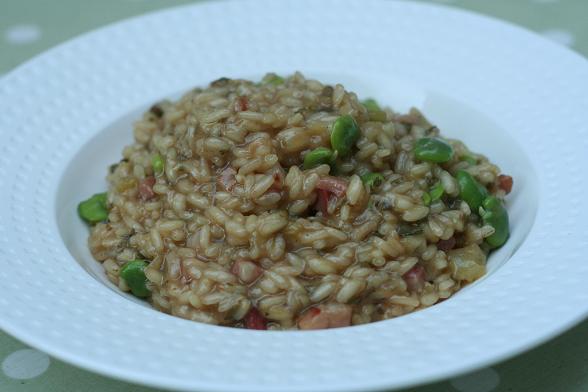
[
  {"x": 273, "y": 79},
  {"x": 495, "y": 215},
  {"x": 344, "y": 135},
  {"x": 375, "y": 113},
  {"x": 434, "y": 194},
  {"x": 470, "y": 190},
  {"x": 94, "y": 210},
  {"x": 432, "y": 149},
  {"x": 318, "y": 156},
  {"x": 133, "y": 272},
  {"x": 371, "y": 105}
]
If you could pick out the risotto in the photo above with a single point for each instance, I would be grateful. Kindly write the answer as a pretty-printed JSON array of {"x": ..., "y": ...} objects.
[{"x": 291, "y": 204}]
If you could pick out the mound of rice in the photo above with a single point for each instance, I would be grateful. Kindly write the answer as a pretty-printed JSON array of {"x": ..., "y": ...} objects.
[{"x": 235, "y": 232}]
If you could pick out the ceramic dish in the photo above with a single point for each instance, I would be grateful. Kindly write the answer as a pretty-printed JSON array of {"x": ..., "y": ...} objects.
[{"x": 505, "y": 92}]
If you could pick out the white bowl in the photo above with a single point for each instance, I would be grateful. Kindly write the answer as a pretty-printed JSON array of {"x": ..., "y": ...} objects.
[{"x": 507, "y": 93}]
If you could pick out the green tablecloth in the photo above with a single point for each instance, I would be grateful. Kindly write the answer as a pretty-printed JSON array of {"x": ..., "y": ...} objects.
[{"x": 28, "y": 27}]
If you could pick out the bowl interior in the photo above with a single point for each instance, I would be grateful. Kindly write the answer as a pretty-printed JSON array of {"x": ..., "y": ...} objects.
[{"x": 86, "y": 171}]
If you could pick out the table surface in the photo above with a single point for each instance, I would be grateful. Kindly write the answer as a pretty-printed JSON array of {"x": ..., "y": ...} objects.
[{"x": 28, "y": 27}]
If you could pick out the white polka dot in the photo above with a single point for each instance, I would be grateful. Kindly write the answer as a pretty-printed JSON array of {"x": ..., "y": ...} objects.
[
  {"x": 25, "y": 364},
  {"x": 560, "y": 36},
  {"x": 22, "y": 34},
  {"x": 485, "y": 380}
]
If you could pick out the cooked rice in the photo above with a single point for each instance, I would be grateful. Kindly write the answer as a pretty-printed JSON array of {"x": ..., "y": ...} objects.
[{"x": 232, "y": 225}]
